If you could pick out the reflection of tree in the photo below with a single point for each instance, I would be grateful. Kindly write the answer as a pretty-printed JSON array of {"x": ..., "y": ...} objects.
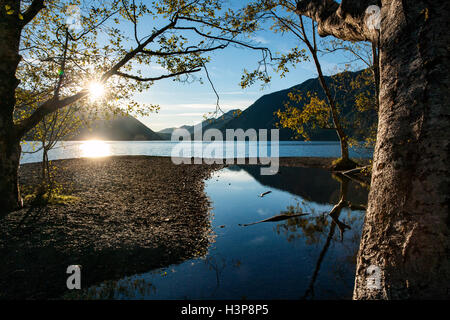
[
  {"x": 217, "y": 265},
  {"x": 314, "y": 227},
  {"x": 334, "y": 214},
  {"x": 311, "y": 184},
  {"x": 310, "y": 290}
]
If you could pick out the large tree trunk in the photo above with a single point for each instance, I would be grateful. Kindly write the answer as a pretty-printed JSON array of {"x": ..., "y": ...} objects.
[
  {"x": 406, "y": 231},
  {"x": 9, "y": 188},
  {"x": 9, "y": 140}
]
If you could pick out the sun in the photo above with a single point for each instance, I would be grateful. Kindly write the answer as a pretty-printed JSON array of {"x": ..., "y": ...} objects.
[
  {"x": 96, "y": 90},
  {"x": 95, "y": 149}
]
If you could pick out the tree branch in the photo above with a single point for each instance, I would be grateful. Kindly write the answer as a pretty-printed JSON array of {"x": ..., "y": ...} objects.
[
  {"x": 240, "y": 43},
  {"x": 32, "y": 11},
  {"x": 346, "y": 21},
  {"x": 46, "y": 108},
  {"x": 184, "y": 52},
  {"x": 165, "y": 76}
]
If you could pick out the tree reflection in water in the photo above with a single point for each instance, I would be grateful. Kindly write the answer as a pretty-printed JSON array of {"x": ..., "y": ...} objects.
[
  {"x": 315, "y": 226},
  {"x": 262, "y": 260}
]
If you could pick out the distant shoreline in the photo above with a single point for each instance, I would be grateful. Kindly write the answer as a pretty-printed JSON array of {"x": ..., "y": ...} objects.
[{"x": 312, "y": 162}]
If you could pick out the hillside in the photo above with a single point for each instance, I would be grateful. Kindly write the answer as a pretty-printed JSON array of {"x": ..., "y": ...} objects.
[
  {"x": 260, "y": 115},
  {"x": 105, "y": 126},
  {"x": 214, "y": 123},
  {"x": 118, "y": 128}
]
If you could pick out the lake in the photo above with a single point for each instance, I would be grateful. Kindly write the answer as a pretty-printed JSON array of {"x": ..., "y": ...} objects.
[
  {"x": 304, "y": 257},
  {"x": 77, "y": 149}
]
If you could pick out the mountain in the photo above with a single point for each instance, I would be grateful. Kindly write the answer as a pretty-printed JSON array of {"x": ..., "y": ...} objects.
[
  {"x": 167, "y": 130},
  {"x": 104, "y": 125},
  {"x": 117, "y": 128},
  {"x": 260, "y": 115},
  {"x": 217, "y": 123},
  {"x": 214, "y": 123}
]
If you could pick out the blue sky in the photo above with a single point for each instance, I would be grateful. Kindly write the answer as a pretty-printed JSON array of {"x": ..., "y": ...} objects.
[{"x": 182, "y": 104}]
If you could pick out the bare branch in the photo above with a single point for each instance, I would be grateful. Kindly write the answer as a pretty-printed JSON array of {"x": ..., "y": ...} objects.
[
  {"x": 165, "y": 76},
  {"x": 214, "y": 89},
  {"x": 240, "y": 43},
  {"x": 185, "y": 52}
]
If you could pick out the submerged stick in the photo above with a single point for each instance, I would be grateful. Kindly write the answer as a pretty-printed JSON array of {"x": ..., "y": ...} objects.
[
  {"x": 264, "y": 193},
  {"x": 278, "y": 217}
]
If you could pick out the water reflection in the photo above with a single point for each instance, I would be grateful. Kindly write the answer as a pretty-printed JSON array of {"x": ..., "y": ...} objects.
[
  {"x": 316, "y": 227},
  {"x": 301, "y": 257},
  {"x": 95, "y": 149}
]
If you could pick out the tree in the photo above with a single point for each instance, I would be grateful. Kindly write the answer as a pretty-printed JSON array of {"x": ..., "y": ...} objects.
[
  {"x": 364, "y": 90},
  {"x": 262, "y": 10},
  {"x": 365, "y": 52},
  {"x": 34, "y": 73},
  {"x": 355, "y": 103},
  {"x": 53, "y": 127},
  {"x": 406, "y": 230}
]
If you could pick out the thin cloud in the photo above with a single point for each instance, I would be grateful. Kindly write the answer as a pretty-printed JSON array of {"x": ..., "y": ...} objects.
[
  {"x": 190, "y": 114},
  {"x": 260, "y": 39}
]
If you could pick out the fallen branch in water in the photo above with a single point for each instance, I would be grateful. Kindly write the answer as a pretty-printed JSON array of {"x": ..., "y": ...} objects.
[
  {"x": 355, "y": 170},
  {"x": 355, "y": 175},
  {"x": 279, "y": 217},
  {"x": 265, "y": 193}
]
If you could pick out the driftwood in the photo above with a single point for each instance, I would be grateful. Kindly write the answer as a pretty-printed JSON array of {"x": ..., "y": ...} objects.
[
  {"x": 355, "y": 175},
  {"x": 278, "y": 217},
  {"x": 355, "y": 170},
  {"x": 265, "y": 193}
]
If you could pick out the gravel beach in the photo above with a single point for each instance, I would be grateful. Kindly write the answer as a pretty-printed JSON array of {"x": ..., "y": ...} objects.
[{"x": 131, "y": 215}]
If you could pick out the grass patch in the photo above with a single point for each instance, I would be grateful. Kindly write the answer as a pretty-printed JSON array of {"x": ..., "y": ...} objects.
[
  {"x": 341, "y": 164},
  {"x": 53, "y": 198}
]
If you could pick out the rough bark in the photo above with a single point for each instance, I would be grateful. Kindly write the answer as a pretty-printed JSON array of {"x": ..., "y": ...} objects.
[
  {"x": 406, "y": 230},
  {"x": 9, "y": 141},
  {"x": 9, "y": 188},
  {"x": 345, "y": 21}
]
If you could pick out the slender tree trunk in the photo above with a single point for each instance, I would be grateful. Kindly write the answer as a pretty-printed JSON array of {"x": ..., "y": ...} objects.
[
  {"x": 9, "y": 141},
  {"x": 406, "y": 231},
  {"x": 346, "y": 162}
]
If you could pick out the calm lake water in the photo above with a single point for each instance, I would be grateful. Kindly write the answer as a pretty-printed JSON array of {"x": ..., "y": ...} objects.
[
  {"x": 303, "y": 257},
  {"x": 77, "y": 149}
]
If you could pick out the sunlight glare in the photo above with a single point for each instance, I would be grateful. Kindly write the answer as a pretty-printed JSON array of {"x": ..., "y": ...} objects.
[
  {"x": 96, "y": 90},
  {"x": 95, "y": 149}
]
